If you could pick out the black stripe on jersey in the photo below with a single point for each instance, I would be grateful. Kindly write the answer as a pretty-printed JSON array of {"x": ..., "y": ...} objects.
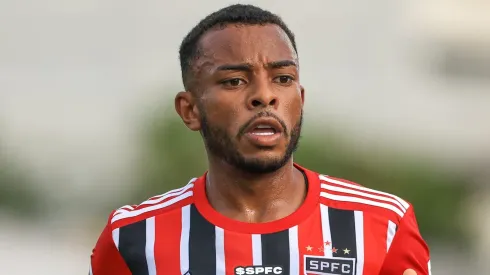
[
  {"x": 275, "y": 250},
  {"x": 343, "y": 232},
  {"x": 132, "y": 243},
  {"x": 202, "y": 245}
]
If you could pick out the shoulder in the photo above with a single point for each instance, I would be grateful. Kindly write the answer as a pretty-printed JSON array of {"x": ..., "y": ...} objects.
[
  {"x": 156, "y": 205},
  {"x": 344, "y": 194}
]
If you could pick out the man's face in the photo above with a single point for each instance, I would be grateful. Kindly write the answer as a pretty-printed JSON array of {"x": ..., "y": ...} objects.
[{"x": 250, "y": 105}]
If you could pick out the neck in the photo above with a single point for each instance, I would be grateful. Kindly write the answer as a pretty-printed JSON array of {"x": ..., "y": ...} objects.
[{"x": 254, "y": 197}]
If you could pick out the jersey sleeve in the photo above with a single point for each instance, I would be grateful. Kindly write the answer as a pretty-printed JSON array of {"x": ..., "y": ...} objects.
[
  {"x": 105, "y": 258},
  {"x": 408, "y": 249}
]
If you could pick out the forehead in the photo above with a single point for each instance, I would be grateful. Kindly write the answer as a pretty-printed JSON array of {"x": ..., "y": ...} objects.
[{"x": 254, "y": 44}]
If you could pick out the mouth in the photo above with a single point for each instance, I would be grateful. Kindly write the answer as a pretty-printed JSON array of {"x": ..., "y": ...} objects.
[
  {"x": 264, "y": 132},
  {"x": 264, "y": 127}
]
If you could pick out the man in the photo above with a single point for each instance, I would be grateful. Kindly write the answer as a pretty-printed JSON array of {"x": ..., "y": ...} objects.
[{"x": 255, "y": 211}]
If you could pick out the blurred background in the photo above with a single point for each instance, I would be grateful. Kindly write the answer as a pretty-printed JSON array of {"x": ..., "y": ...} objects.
[{"x": 397, "y": 99}]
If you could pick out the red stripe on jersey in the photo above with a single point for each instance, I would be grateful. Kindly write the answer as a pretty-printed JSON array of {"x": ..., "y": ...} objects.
[
  {"x": 172, "y": 192},
  {"x": 310, "y": 237},
  {"x": 361, "y": 196},
  {"x": 151, "y": 213},
  {"x": 238, "y": 251},
  {"x": 375, "y": 228},
  {"x": 388, "y": 214},
  {"x": 153, "y": 201},
  {"x": 167, "y": 242},
  {"x": 128, "y": 207},
  {"x": 343, "y": 180},
  {"x": 355, "y": 186}
]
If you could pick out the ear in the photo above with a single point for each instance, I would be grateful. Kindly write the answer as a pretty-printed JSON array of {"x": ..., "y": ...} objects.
[
  {"x": 186, "y": 107},
  {"x": 302, "y": 90}
]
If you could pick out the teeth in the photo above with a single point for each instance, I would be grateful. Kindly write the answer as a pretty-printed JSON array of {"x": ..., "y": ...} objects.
[
  {"x": 263, "y": 127},
  {"x": 264, "y": 134}
]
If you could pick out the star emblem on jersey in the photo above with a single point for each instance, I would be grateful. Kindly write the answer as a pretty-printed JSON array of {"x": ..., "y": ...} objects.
[
  {"x": 309, "y": 248},
  {"x": 334, "y": 250},
  {"x": 346, "y": 251},
  {"x": 327, "y": 243},
  {"x": 321, "y": 249}
]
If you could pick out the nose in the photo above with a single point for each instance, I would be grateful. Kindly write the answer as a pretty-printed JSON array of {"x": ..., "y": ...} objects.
[{"x": 262, "y": 96}]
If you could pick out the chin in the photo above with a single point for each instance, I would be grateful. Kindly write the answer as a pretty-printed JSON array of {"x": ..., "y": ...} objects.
[
  {"x": 260, "y": 167},
  {"x": 265, "y": 155},
  {"x": 262, "y": 163}
]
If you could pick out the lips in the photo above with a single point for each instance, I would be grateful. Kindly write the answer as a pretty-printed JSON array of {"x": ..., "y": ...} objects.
[
  {"x": 264, "y": 127},
  {"x": 265, "y": 132}
]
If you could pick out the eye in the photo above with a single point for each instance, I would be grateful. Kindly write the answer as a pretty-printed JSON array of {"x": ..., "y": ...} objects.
[
  {"x": 284, "y": 79},
  {"x": 233, "y": 82}
]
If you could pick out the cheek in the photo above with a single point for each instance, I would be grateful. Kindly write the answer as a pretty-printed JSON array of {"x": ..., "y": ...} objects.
[
  {"x": 222, "y": 112},
  {"x": 293, "y": 107}
]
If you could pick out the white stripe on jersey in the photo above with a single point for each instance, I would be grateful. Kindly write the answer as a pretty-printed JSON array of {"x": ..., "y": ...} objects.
[
  {"x": 157, "y": 199},
  {"x": 403, "y": 202},
  {"x": 184, "y": 239},
  {"x": 293, "y": 251},
  {"x": 115, "y": 237},
  {"x": 150, "y": 246},
  {"x": 327, "y": 237},
  {"x": 359, "y": 223},
  {"x": 138, "y": 212},
  {"x": 363, "y": 194},
  {"x": 124, "y": 208},
  {"x": 363, "y": 201},
  {"x": 257, "y": 249},
  {"x": 390, "y": 234},
  {"x": 90, "y": 270},
  {"x": 220, "y": 251},
  {"x": 169, "y": 194}
]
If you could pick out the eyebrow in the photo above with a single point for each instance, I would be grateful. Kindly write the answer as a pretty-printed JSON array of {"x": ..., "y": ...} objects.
[
  {"x": 282, "y": 64},
  {"x": 247, "y": 67},
  {"x": 235, "y": 67}
]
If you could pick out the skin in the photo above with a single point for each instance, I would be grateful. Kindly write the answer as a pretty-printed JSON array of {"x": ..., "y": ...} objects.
[
  {"x": 246, "y": 182},
  {"x": 242, "y": 73}
]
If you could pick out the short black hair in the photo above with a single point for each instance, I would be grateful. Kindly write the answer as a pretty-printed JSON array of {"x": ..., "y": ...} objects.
[{"x": 235, "y": 14}]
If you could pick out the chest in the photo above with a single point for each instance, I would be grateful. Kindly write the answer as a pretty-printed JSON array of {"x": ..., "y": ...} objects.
[{"x": 342, "y": 242}]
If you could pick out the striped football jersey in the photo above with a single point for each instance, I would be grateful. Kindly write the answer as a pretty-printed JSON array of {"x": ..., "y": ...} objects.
[{"x": 341, "y": 228}]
